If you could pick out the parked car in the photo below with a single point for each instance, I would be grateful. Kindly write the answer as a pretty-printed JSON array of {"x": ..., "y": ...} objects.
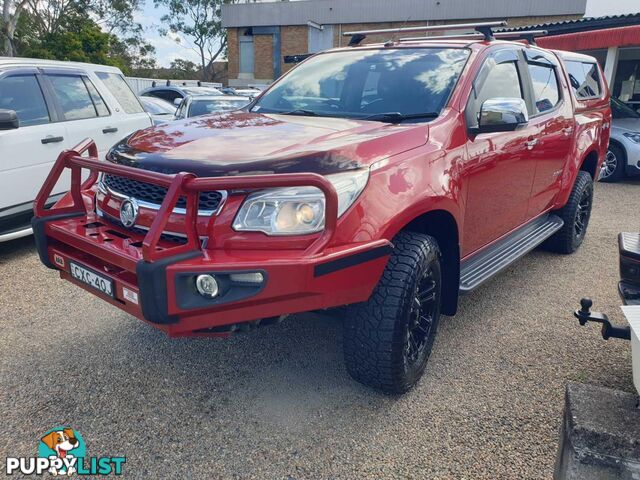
[
  {"x": 194, "y": 106},
  {"x": 472, "y": 153},
  {"x": 243, "y": 92},
  {"x": 174, "y": 95},
  {"x": 160, "y": 110},
  {"x": 46, "y": 107},
  {"x": 623, "y": 156}
]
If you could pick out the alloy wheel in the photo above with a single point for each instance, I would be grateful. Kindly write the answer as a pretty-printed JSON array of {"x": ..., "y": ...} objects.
[
  {"x": 583, "y": 212},
  {"x": 421, "y": 319},
  {"x": 609, "y": 165}
]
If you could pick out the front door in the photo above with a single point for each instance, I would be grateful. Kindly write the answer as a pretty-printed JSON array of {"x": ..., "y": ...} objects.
[
  {"x": 499, "y": 169},
  {"x": 27, "y": 152}
]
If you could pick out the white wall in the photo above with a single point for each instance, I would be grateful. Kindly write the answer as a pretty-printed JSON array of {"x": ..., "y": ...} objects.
[{"x": 599, "y": 8}]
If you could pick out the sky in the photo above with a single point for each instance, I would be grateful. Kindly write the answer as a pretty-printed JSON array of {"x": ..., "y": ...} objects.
[{"x": 170, "y": 47}]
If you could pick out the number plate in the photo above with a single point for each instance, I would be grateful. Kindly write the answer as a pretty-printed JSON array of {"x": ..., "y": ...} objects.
[{"x": 100, "y": 283}]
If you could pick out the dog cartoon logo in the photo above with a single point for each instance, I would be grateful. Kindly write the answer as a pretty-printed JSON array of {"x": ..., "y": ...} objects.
[
  {"x": 62, "y": 451},
  {"x": 65, "y": 444}
]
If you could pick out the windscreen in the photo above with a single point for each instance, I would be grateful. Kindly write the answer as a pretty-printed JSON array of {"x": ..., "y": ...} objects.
[
  {"x": 156, "y": 106},
  {"x": 205, "y": 107},
  {"x": 362, "y": 83}
]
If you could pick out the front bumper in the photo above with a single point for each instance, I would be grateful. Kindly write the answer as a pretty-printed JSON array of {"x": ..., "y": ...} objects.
[
  {"x": 632, "y": 151},
  {"x": 154, "y": 279},
  {"x": 163, "y": 294}
]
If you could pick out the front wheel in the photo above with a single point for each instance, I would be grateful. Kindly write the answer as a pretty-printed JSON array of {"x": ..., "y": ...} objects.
[
  {"x": 388, "y": 339},
  {"x": 576, "y": 214}
]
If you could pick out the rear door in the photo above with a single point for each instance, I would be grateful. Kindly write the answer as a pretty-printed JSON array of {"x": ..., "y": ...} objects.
[
  {"x": 499, "y": 168},
  {"x": 551, "y": 111},
  {"x": 81, "y": 108},
  {"x": 28, "y": 152},
  {"x": 129, "y": 114}
]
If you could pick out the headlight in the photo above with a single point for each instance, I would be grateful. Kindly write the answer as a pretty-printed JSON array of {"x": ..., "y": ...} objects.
[
  {"x": 297, "y": 210},
  {"x": 633, "y": 136}
]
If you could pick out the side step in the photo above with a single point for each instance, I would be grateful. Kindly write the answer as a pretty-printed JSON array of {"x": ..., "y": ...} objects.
[{"x": 487, "y": 263}]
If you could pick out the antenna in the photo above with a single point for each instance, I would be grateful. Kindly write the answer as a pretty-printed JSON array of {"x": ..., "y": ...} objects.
[{"x": 395, "y": 35}]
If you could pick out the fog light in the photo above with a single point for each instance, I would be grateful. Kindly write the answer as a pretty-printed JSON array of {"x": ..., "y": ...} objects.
[
  {"x": 248, "y": 277},
  {"x": 207, "y": 285}
]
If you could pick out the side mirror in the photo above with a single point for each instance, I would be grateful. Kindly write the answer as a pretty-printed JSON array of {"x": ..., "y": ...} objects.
[
  {"x": 177, "y": 101},
  {"x": 502, "y": 115},
  {"x": 8, "y": 120}
]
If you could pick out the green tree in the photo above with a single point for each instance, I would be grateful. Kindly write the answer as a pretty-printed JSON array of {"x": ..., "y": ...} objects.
[
  {"x": 66, "y": 30},
  {"x": 116, "y": 17},
  {"x": 183, "y": 69},
  {"x": 199, "y": 21},
  {"x": 11, "y": 12}
]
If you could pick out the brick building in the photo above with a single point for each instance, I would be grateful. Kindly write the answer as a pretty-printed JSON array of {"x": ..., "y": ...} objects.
[{"x": 261, "y": 34}]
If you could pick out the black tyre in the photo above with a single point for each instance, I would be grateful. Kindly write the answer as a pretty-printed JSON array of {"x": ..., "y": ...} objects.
[
  {"x": 576, "y": 214},
  {"x": 388, "y": 339},
  {"x": 614, "y": 164}
]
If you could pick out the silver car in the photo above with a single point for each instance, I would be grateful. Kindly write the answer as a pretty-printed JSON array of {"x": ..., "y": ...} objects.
[
  {"x": 623, "y": 156},
  {"x": 194, "y": 106}
]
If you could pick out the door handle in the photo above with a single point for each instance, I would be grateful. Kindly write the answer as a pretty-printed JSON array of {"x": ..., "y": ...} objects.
[
  {"x": 531, "y": 143},
  {"x": 567, "y": 131},
  {"x": 51, "y": 139},
  {"x": 110, "y": 130}
]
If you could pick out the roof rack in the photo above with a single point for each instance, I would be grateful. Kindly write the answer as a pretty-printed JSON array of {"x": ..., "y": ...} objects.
[
  {"x": 529, "y": 36},
  {"x": 481, "y": 27}
]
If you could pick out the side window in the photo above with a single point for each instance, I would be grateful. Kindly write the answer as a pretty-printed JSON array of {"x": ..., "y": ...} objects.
[
  {"x": 73, "y": 97},
  {"x": 168, "y": 95},
  {"x": 546, "y": 90},
  {"x": 101, "y": 107},
  {"x": 494, "y": 80},
  {"x": 120, "y": 89},
  {"x": 22, "y": 94},
  {"x": 584, "y": 79},
  {"x": 181, "y": 113}
]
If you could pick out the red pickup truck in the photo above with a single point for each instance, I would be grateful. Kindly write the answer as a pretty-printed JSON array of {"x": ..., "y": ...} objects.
[{"x": 386, "y": 177}]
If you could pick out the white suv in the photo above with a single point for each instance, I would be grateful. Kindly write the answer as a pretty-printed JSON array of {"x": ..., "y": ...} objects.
[{"x": 46, "y": 107}]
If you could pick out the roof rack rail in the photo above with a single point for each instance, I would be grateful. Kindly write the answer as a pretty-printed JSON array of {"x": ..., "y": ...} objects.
[
  {"x": 530, "y": 36},
  {"x": 481, "y": 27}
]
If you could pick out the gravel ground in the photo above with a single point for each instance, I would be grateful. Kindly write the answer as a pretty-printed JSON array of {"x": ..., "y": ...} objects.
[{"x": 278, "y": 403}]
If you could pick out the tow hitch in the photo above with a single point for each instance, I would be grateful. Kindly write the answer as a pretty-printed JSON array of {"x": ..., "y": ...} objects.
[
  {"x": 628, "y": 288},
  {"x": 584, "y": 314}
]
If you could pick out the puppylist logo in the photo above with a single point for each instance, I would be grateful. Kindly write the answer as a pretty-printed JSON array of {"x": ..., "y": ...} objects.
[{"x": 62, "y": 451}]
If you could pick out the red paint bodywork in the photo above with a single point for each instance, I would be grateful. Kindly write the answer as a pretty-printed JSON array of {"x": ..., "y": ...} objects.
[{"x": 489, "y": 184}]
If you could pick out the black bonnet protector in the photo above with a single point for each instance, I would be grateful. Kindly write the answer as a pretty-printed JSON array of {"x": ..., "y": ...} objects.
[{"x": 254, "y": 144}]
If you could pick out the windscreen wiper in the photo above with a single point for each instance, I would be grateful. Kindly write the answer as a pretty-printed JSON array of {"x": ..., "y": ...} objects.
[
  {"x": 299, "y": 111},
  {"x": 397, "y": 117}
]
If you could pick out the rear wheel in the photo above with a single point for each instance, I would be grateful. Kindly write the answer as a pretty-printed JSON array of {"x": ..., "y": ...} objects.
[
  {"x": 613, "y": 166},
  {"x": 576, "y": 214},
  {"x": 388, "y": 339}
]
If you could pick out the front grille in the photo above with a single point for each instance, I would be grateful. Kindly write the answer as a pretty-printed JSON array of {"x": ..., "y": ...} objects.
[{"x": 148, "y": 192}]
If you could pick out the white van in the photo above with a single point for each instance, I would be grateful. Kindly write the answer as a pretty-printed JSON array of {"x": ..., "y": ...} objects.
[{"x": 45, "y": 108}]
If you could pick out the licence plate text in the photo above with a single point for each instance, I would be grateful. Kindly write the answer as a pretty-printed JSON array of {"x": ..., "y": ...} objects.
[{"x": 100, "y": 283}]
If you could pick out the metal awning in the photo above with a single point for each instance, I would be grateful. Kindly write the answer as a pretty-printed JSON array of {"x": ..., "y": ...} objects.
[{"x": 594, "y": 39}]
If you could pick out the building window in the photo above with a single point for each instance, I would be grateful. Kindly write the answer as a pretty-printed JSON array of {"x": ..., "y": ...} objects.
[{"x": 246, "y": 54}]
